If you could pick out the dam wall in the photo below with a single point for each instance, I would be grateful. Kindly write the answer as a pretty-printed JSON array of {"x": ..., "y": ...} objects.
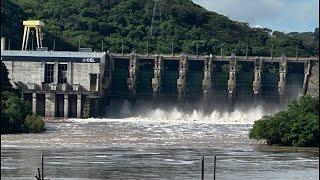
[
  {"x": 215, "y": 81},
  {"x": 83, "y": 84},
  {"x": 313, "y": 80}
]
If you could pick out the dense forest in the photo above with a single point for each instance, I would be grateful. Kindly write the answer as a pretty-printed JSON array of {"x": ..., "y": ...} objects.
[{"x": 137, "y": 26}]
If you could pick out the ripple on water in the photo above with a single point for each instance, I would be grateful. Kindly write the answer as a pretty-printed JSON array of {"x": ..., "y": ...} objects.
[{"x": 164, "y": 147}]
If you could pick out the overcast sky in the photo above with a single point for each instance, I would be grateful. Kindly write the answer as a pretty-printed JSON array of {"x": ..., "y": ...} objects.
[{"x": 281, "y": 15}]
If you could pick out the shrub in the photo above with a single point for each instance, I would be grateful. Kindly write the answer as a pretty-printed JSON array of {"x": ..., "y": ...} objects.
[
  {"x": 298, "y": 126},
  {"x": 13, "y": 113},
  {"x": 35, "y": 124}
]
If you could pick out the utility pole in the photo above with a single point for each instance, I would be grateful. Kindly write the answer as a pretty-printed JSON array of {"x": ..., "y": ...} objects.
[
  {"x": 54, "y": 44},
  {"x": 202, "y": 168},
  {"x": 122, "y": 48},
  {"x": 42, "y": 177},
  {"x": 102, "y": 46},
  {"x": 156, "y": 14},
  {"x": 148, "y": 47},
  {"x": 197, "y": 51},
  {"x": 153, "y": 15},
  {"x": 214, "y": 167},
  {"x": 221, "y": 51},
  {"x": 247, "y": 51},
  {"x": 157, "y": 48},
  {"x": 272, "y": 52},
  {"x": 297, "y": 52},
  {"x": 9, "y": 44},
  {"x": 172, "y": 48}
]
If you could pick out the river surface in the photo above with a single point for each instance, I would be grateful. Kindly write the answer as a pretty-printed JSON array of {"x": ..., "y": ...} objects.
[{"x": 160, "y": 145}]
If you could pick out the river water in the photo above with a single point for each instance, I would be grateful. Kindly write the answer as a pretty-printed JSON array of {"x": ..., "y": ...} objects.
[{"x": 156, "y": 145}]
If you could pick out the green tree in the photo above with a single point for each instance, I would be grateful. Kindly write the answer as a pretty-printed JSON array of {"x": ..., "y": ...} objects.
[
  {"x": 5, "y": 82},
  {"x": 14, "y": 111},
  {"x": 298, "y": 126}
]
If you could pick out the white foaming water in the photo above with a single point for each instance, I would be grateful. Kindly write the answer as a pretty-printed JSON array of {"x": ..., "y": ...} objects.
[
  {"x": 175, "y": 116},
  {"x": 125, "y": 110},
  {"x": 215, "y": 117}
]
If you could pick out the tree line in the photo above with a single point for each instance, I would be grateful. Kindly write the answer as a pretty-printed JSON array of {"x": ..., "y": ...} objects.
[{"x": 177, "y": 25}]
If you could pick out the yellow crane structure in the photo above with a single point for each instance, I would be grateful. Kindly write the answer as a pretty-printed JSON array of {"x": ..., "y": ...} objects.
[{"x": 37, "y": 25}]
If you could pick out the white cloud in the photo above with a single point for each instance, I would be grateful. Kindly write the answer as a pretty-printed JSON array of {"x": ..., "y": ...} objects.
[
  {"x": 284, "y": 15},
  {"x": 257, "y": 26}
]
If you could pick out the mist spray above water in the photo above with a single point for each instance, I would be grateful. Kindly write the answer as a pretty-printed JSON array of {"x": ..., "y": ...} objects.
[
  {"x": 144, "y": 112},
  {"x": 196, "y": 116}
]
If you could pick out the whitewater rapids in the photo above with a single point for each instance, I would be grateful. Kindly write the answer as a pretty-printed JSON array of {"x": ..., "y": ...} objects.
[{"x": 175, "y": 116}]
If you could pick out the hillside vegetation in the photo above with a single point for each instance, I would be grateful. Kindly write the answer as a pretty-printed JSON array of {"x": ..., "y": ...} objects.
[{"x": 180, "y": 22}]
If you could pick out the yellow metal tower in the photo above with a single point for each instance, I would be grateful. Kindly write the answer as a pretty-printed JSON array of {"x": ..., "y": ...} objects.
[{"x": 37, "y": 25}]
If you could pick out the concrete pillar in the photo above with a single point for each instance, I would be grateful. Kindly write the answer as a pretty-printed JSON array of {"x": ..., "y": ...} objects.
[
  {"x": 156, "y": 80},
  {"x": 206, "y": 83},
  {"x": 34, "y": 103},
  {"x": 97, "y": 82},
  {"x": 50, "y": 104},
  {"x": 96, "y": 107},
  {"x": 87, "y": 107},
  {"x": 133, "y": 69},
  {"x": 131, "y": 81},
  {"x": 79, "y": 104},
  {"x": 3, "y": 43},
  {"x": 69, "y": 73},
  {"x": 282, "y": 75},
  {"x": 257, "y": 79},
  {"x": 109, "y": 72},
  {"x": 66, "y": 106},
  {"x": 307, "y": 68},
  {"x": 232, "y": 80},
  {"x": 282, "y": 79},
  {"x": 40, "y": 34},
  {"x": 37, "y": 36},
  {"x": 181, "y": 82},
  {"x": 55, "y": 73}
]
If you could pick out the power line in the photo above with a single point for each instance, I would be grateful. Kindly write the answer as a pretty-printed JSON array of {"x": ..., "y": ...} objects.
[{"x": 153, "y": 16}]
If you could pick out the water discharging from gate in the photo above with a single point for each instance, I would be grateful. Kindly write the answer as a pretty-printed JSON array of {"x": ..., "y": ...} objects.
[{"x": 171, "y": 114}]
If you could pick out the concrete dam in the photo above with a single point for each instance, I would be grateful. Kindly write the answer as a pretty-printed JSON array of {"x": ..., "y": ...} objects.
[
  {"x": 83, "y": 84},
  {"x": 207, "y": 82}
]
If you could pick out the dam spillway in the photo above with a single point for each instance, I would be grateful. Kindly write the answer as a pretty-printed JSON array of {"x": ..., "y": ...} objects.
[
  {"x": 210, "y": 79},
  {"x": 83, "y": 84}
]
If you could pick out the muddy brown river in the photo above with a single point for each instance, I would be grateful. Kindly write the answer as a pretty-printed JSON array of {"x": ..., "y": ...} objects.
[{"x": 158, "y": 145}]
